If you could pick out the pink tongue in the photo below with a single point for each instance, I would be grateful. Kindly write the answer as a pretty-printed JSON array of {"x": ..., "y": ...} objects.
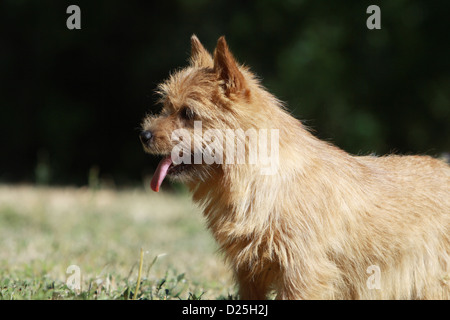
[{"x": 160, "y": 173}]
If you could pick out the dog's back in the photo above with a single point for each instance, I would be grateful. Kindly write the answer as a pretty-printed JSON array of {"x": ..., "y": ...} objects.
[{"x": 403, "y": 232}]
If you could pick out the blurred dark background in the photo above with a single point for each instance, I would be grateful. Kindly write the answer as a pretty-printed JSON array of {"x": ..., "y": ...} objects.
[{"x": 71, "y": 100}]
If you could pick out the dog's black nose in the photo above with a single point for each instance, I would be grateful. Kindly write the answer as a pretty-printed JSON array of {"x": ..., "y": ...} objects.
[{"x": 145, "y": 136}]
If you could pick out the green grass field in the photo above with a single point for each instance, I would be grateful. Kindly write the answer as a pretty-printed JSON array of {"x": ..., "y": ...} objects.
[{"x": 45, "y": 230}]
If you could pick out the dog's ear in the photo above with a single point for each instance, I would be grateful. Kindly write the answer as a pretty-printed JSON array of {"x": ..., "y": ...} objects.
[
  {"x": 226, "y": 68},
  {"x": 200, "y": 57}
]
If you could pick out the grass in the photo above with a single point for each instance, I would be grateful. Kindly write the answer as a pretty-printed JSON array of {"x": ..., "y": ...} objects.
[{"x": 101, "y": 232}]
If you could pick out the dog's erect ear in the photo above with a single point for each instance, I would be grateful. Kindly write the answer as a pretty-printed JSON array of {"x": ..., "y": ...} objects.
[
  {"x": 227, "y": 70},
  {"x": 200, "y": 57}
]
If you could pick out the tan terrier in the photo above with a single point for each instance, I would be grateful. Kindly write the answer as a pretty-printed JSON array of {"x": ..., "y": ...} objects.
[{"x": 324, "y": 224}]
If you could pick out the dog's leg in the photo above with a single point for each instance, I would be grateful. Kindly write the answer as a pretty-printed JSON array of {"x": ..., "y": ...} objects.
[
  {"x": 253, "y": 287},
  {"x": 251, "y": 291},
  {"x": 308, "y": 283}
]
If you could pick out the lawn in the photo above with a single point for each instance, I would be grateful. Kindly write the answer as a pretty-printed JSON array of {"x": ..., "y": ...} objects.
[{"x": 100, "y": 233}]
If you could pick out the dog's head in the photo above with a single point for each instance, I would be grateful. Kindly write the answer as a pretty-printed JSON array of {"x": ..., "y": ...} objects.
[{"x": 200, "y": 105}]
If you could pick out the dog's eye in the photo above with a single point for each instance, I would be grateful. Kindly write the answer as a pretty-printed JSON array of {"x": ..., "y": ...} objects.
[{"x": 187, "y": 113}]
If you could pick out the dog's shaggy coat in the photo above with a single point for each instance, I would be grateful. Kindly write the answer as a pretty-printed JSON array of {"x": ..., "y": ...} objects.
[{"x": 321, "y": 225}]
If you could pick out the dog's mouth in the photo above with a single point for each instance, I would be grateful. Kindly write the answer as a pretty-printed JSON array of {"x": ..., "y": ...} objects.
[{"x": 167, "y": 167}]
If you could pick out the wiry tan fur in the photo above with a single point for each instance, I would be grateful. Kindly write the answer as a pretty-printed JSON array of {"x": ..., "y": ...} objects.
[{"x": 313, "y": 229}]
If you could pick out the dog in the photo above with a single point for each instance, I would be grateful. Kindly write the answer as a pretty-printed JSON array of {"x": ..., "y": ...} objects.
[{"x": 311, "y": 222}]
